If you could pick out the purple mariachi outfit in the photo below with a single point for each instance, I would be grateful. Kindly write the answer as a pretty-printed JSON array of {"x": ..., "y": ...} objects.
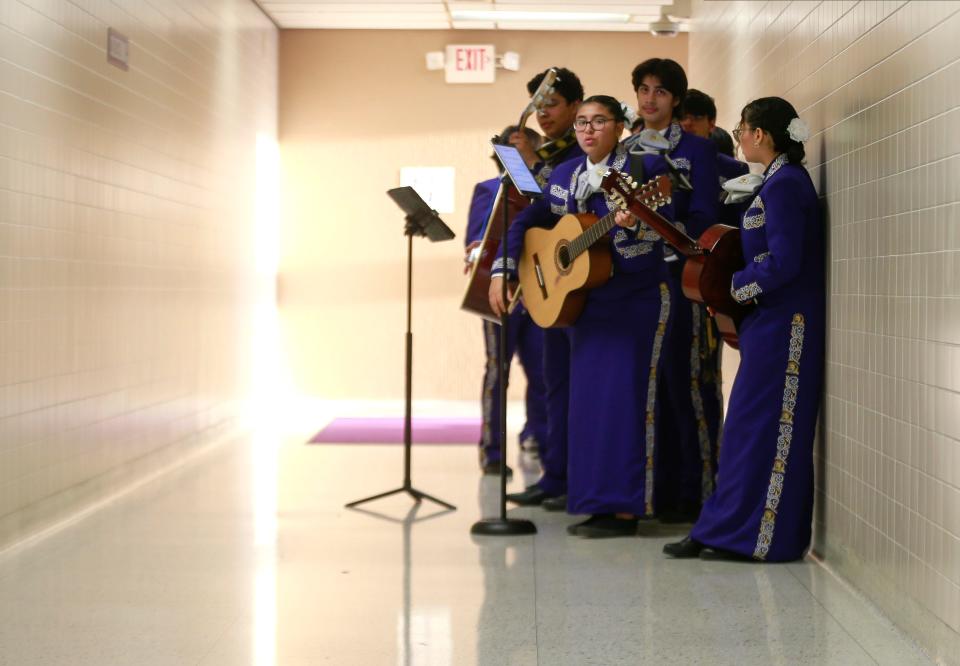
[
  {"x": 614, "y": 352},
  {"x": 556, "y": 341},
  {"x": 556, "y": 366},
  {"x": 689, "y": 382},
  {"x": 524, "y": 338},
  {"x": 763, "y": 504}
]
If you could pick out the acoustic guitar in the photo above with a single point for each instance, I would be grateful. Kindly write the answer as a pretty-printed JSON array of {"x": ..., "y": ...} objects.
[
  {"x": 559, "y": 265},
  {"x": 710, "y": 264},
  {"x": 476, "y": 297}
]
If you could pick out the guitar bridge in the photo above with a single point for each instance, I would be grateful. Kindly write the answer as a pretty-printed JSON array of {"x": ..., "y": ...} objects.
[{"x": 539, "y": 271}]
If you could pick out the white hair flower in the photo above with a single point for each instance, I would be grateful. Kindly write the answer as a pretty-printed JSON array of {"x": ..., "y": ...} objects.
[
  {"x": 798, "y": 130},
  {"x": 630, "y": 114}
]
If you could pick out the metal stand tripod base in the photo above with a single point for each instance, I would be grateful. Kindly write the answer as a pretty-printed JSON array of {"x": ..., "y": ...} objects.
[
  {"x": 413, "y": 492},
  {"x": 503, "y": 527}
]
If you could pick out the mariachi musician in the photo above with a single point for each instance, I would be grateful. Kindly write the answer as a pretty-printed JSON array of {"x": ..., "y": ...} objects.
[
  {"x": 555, "y": 117},
  {"x": 689, "y": 410},
  {"x": 762, "y": 508},
  {"x": 525, "y": 339},
  {"x": 614, "y": 343}
]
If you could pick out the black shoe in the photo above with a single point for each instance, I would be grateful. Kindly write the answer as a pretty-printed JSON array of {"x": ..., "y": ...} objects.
[
  {"x": 679, "y": 515},
  {"x": 608, "y": 527},
  {"x": 682, "y": 550},
  {"x": 558, "y": 503},
  {"x": 532, "y": 496},
  {"x": 574, "y": 529},
  {"x": 493, "y": 469},
  {"x": 708, "y": 553}
]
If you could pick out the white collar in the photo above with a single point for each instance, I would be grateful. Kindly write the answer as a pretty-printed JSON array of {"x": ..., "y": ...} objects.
[{"x": 593, "y": 167}]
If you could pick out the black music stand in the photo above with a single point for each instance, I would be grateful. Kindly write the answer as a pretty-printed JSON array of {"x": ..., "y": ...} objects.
[
  {"x": 514, "y": 170},
  {"x": 421, "y": 220}
]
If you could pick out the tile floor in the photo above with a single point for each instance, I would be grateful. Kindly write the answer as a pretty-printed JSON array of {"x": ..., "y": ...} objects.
[{"x": 248, "y": 556}]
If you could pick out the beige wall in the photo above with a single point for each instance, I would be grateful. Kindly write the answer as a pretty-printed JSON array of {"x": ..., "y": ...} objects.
[
  {"x": 880, "y": 84},
  {"x": 126, "y": 244},
  {"x": 355, "y": 106}
]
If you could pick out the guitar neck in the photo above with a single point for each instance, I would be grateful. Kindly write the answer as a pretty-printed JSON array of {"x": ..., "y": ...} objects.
[
  {"x": 670, "y": 232},
  {"x": 582, "y": 243}
]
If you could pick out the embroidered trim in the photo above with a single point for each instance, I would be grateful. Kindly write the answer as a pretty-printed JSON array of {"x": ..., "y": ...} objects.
[
  {"x": 674, "y": 135},
  {"x": 650, "y": 432},
  {"x": 573, "y": 184},
  {"x": 760, "y": 257},
  {"x": 497, "y": 267},
  {"x": 620, "y": 158},
  {"x": 703, "y": 433},
  {"x": 559, "y": 192},
  {"x": 543, "y": 176},
  {"x": 645, "y": 233},
  {"x": 746, "y": 292},
  {"x": 682, "y": 163},
  {"x": 636, "y": 250},
  {"x": 775, "y": 165},
  {"x": 754, "y": 221},
  {"x": 491, "y": 334},
  {"x": 791, "y": 386},
  {"x": 558, "y": 209}
]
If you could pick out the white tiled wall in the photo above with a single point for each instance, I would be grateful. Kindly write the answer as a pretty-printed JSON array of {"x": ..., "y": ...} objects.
[
  {"x": 879, "y": 82},
  {"x": 126, "y": 239}
]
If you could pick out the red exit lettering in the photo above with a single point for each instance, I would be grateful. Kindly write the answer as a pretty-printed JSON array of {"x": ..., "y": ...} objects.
[{"x": 469, "y": 60}]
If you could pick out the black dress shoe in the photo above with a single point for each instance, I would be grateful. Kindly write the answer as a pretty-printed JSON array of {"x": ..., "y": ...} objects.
[
  {"x": 493, "y": 469},
  {"x": 558, "y": 503},
  {"x": 574, "y": 529},
  {"x": 679, "y": 515},
  {"x": 708, "y": 553},
  {"x": 686, "y": 549},
  {"x": 608, "y": 527},
  {"x": 532, "y": 496}
]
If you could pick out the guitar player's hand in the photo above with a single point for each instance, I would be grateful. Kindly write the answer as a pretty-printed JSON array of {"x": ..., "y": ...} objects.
[
  {"x": 467, "y": 259},
  {"x": 625, "y": 219},
  {"x": 521, "y": 142},
  {"x": 496, "y": 295}
]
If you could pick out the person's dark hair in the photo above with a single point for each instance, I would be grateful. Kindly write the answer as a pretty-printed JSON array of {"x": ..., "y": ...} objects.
[
  {"x": 611, "y": 104},
  {"x": 567, "y": 85},
  {"x": 697, "y": 103},
  {"x": 671, "y": 76},
  {"x": 723, "y": 141},
  {"x": 772, "y": 115},
  {"x": 533, "y": 137}
]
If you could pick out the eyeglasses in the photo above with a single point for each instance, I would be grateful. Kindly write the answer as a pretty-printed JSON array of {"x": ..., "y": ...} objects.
[
  {"x": 597, "y": 123},
  {"x": 738, "y": 131}
]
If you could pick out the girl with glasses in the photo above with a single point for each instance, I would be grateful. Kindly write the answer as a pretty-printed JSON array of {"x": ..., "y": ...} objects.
[
  {"x": 615, "y": 343},
  {"x": 763, "y": 503}
]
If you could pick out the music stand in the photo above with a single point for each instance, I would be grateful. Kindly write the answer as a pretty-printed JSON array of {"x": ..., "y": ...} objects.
[
  {"x": 421, "y": 220},
  {"x": 514, "y": 170}
]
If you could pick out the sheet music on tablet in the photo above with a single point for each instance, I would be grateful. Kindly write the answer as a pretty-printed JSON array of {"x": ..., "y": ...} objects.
[{"x": 517, "y": 169}]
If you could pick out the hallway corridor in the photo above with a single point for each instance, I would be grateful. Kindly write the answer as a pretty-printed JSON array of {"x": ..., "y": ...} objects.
[{"x": 247, "y": 556}]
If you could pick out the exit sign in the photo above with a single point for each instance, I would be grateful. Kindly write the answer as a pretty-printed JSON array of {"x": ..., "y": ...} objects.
[{"x": 470, "y": 63}]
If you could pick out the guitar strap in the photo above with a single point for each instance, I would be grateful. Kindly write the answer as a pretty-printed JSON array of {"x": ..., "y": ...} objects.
[
  {"x": 551, "y": 149},
  {"x": 636, "y": 169}
]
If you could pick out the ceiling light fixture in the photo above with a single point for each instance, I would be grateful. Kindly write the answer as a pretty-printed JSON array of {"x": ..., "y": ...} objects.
[{"x": 559, "y": 17}]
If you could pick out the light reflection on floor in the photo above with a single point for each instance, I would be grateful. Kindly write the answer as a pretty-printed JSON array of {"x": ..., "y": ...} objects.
[{"x": 249, "y": 557}]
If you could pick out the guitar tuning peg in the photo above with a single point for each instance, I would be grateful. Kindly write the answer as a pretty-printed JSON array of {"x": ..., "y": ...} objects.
[{"x": 633, "y": 185}]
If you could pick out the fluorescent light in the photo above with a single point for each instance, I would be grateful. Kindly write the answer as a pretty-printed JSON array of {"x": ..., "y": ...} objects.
[{"x": 495, "y": 15}]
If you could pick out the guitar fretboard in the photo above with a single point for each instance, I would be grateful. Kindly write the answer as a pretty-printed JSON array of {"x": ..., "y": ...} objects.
[{"x": 582, "y": 243}]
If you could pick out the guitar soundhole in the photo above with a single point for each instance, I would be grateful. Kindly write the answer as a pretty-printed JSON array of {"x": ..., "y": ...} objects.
[{"x": 563, "y": 258}]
